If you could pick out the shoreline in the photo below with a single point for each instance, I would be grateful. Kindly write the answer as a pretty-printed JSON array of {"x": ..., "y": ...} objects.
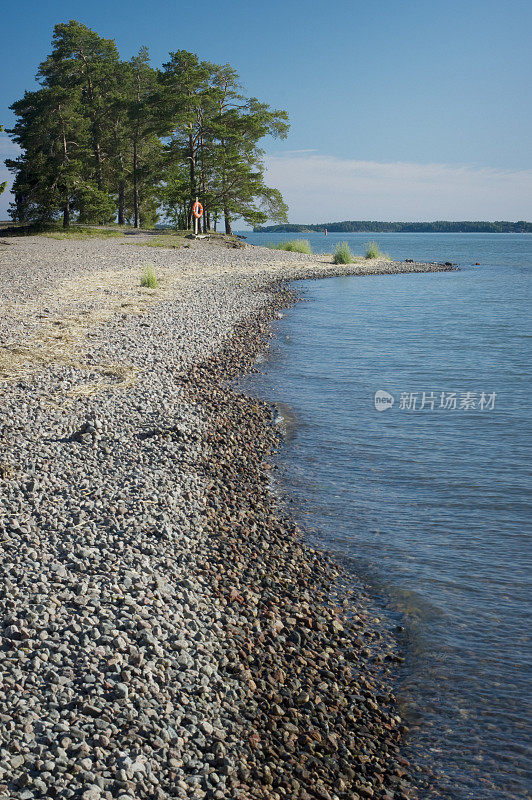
[
  {"x": 345, "y": 707},
  {"x": 167, "y": 632}
]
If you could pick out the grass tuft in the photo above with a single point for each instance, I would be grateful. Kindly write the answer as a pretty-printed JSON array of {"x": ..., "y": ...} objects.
[
  {"x": 343, "y": 254},
  {"x": 149, "y": 278},
  {"x": 372, "y": 251},
  {"x": 293, "y": 246}
]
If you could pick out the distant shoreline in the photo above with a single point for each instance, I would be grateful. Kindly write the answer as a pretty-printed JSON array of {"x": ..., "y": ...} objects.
[{"x": 365, "y": 226}]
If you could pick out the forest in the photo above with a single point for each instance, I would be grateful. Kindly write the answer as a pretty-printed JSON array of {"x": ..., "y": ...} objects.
[{"x": 110, "y": 141}]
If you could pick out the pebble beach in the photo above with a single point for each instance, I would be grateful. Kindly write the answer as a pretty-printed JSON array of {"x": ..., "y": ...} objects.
[{"x": 166, "y": 632}]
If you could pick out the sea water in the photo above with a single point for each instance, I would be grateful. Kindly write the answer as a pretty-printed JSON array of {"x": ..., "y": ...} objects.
[{"x": 426, "y": 500}]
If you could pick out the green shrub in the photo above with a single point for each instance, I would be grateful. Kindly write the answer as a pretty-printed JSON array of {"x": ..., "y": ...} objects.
[
  {"x": 343, "y": 254},
  {"x": 372, "y": 251},
  {"x": 293, "y": 246},
  {"x": 149, "y": 278}
]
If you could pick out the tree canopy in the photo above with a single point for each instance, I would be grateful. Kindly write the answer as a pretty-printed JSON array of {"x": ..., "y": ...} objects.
[{"x": 106, "y": 140}]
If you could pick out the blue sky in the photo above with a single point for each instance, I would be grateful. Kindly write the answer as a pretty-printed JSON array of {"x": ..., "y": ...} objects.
[{"x": 399, "y": 109}]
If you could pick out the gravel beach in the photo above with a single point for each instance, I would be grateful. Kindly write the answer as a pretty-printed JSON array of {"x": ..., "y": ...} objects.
[{"x": 166, "y": 632}]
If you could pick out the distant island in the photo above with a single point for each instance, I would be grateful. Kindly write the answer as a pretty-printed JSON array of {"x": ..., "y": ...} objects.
[{"x": 352, "y": 226}]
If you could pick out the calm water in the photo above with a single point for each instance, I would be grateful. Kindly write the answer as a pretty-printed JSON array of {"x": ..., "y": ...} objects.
[{"x": 427, "y": 505}]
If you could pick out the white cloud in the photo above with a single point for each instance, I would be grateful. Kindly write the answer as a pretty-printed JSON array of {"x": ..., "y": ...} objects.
[
  {"x": 321, "y": 188},
  {"x": 297, "y": 152}
]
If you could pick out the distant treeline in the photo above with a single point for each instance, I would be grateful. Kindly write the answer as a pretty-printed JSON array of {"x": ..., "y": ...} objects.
[{"x": 365, "y": 226}]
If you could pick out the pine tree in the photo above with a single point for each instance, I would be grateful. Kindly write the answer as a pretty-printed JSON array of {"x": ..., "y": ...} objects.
[
  {"x": 146, "y": 147},
  {"x": 82, "y": 60},
  {"x": 118, "y": 147},
  {"x": 181, "y": 102},
  {"x": 216, "y": 130},
  {"x": 239, "y": 164},
  {"x": 52, "y": 132}
]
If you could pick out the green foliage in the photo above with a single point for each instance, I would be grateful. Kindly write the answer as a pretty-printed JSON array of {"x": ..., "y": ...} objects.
[
  {"x": 105, "y": 139},
  {"x": 372, "y": 251},
  {"x": 343, "y": 254},
  {"x": 293, "y": 246},
  {"x": 95, "y": 205},
  {"x": 149, "y": 278}
]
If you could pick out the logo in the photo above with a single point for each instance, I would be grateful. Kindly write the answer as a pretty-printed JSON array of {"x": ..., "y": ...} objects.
[{"x": 383, "y": 400}]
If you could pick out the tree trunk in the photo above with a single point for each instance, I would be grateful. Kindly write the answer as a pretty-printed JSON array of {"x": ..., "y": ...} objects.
[
  {"x": 95, "y": 128},
  {"x": 135, "y": 188},
  {"x": 66, "y": 208},
  {"x": 19, "y": 205},
  {"x": 121, "y": 203},
  {"x": 192, "y": 159},
  {"x": 228, "y": 228},
  {"x": 99, "y": 167}
]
